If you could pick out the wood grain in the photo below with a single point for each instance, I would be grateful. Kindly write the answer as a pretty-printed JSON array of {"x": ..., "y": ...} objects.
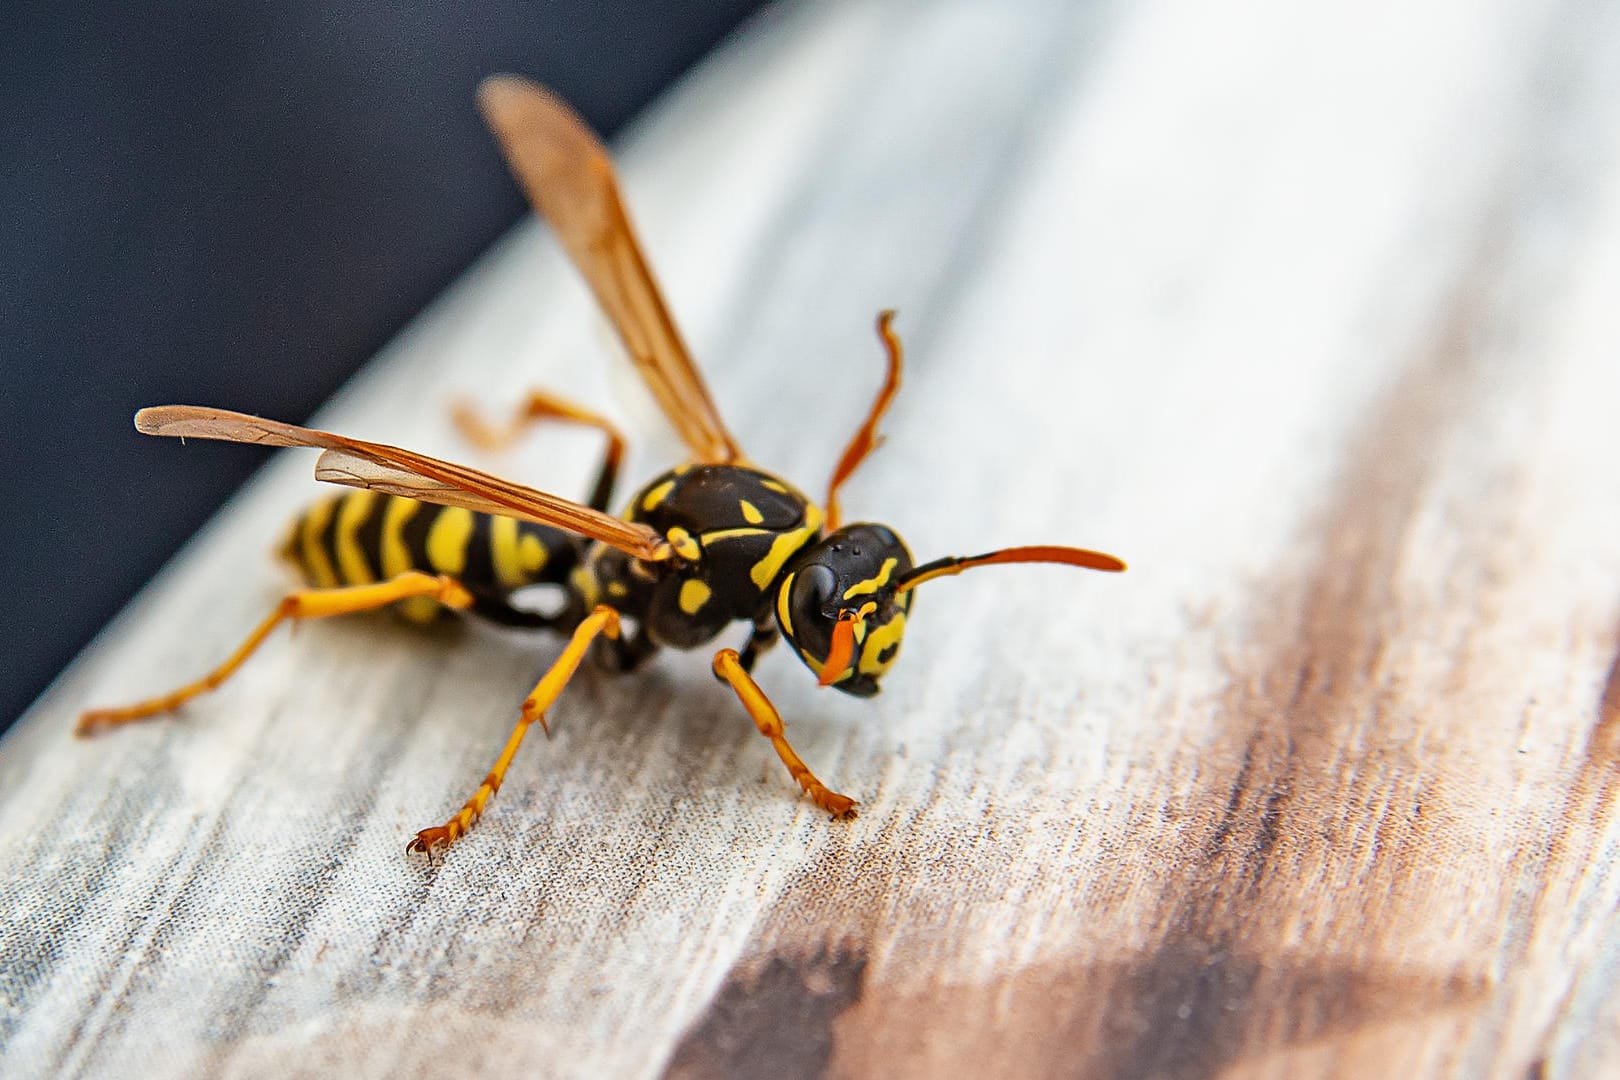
[{"x": 1307, "y": 311}]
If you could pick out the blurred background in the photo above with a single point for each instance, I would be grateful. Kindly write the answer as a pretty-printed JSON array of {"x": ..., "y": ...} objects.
[{"x": 238, "y": 206}]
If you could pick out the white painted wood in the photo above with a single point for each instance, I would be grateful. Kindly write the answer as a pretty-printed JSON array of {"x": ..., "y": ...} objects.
[{"x": 1307, "y": 310}]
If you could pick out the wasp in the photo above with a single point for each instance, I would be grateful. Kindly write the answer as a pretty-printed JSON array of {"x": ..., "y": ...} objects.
[{"x": 709, "y": 543}]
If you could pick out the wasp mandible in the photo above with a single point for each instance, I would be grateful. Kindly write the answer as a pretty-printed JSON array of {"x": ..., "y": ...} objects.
[{"x": 704, "y": 545}]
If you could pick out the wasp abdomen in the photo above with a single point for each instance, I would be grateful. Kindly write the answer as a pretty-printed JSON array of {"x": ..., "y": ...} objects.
[{"x": 362, "y": 536}]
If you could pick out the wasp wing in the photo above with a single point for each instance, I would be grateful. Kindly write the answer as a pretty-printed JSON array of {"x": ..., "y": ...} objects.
[
  {"x": 347, "y": 468},
  {"x": 570, "y": 181},
  {"x": 404, "y": 472}
]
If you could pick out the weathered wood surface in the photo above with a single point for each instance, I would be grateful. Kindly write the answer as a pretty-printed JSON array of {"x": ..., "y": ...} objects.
[{"x": 1307, "y": 310}]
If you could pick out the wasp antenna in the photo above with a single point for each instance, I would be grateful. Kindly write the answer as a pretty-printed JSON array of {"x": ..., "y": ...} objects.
[
  {"x": 865, "y": 439},
  {"x": 954, "y": 564}
]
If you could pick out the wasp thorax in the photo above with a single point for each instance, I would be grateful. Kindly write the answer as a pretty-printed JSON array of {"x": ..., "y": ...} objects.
[{"x": 849, "y": 577}]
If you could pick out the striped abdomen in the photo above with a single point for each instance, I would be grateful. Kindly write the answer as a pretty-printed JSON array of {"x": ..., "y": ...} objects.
[{"x": 362, "y": 536}]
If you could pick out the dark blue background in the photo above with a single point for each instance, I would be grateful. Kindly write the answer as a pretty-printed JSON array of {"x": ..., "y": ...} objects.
[{"x": 237, "y": 206}]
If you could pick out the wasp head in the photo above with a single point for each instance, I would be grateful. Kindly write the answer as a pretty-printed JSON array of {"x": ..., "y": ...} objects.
[{"x": 841, "y": 608}]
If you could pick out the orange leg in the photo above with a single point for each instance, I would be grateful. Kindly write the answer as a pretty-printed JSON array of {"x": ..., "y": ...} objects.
[
  {"x": 304, "y": 604},
  {"x": 604, "y": 620},
  {"x": 865, "y": 440},
  {"x": 543, "y": 406},
  {"x": 729, "y": 667}
]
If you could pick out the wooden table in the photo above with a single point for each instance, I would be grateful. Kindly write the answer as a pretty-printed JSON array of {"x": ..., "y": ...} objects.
[{"x": 1309, "y": 311}]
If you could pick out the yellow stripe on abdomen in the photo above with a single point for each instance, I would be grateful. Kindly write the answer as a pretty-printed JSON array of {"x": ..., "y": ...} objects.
[
  {"x": 311, "y": 555},
  {"x": 396, "y": 556},
  {"x": 353, "y": 509},
  {"x": 518, "y": 557},
  {"x": 503, "y": 551},
  {"x": 447, "y": 540}
]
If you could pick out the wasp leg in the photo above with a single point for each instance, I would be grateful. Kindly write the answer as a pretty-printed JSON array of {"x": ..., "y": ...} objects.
[
  {"x": 865, "y": 440},
  {"x": 304, "y": 604},
  {"x": 604, "y": 620},
  {"x": 729, "y": 667},
  {"x": 761, "y": 639},
  {"x": 627, "y": 652},
  {"x": 539, "y": 406}
]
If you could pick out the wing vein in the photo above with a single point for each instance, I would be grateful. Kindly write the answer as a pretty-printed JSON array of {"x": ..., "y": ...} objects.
[{"x": 380, "y": 467}]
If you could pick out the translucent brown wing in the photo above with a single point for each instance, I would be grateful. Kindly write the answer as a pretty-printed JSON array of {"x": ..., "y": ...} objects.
[
  {"x": 569, "y": 179},
  {"x": 404, "y": 472}
]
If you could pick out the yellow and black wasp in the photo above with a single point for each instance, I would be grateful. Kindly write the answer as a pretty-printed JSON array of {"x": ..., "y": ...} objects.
[{"x": 709, "y": 543}]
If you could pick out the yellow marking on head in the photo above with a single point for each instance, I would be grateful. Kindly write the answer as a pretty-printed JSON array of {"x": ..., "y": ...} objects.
[
  {"x": 654, "y": 496},
  {"x": 784, "y": 547},
  {"x": 447, "y": 539},
  {"x": 872, "y": 584},
  {"x": 780, "y": 489},
  {"x": 311, "y": 556},
  {"x": 618, "y": 590},
  {"x": 686, "y": 547},
  {"x": 353, "y": 510},
  {"x": 750, "y": 512},
  {"x": 694, "y": 594},
  {"x": 879, "y": 639}
]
